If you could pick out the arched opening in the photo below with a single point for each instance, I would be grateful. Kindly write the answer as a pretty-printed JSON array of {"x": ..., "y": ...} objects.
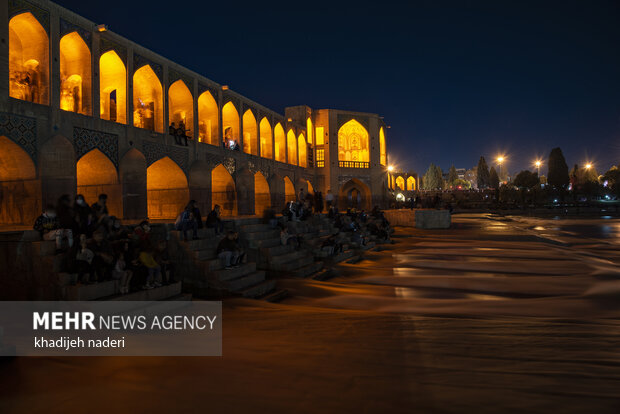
[
  {"x": 223, "y": 191},
  {"x": 411, "y": 184},
  {"x": 353, "y": 144},
  {"x": 28, "y": 59},
  {"x": 148, "y": 109},
  {"x": 310, "y": 187},
  {"x": 280, "y": 143},
  {"x": 310, "y": 130},
  {"x": 289, "y": 190},
  {"x": 250, "y": 138},
  {"x": 132, "y": 172},
  {"x": 20, "y": 191},
  {"x": 97, "y": 175},
  {"x": 400, "y": 183},
  {"x": 306, "y": 185},
  {"x": 382, "y": 150},
  {"x": 207, "y": 119},
  {"x": 75, "y": 75},
  {"x": 262, "y": 195},
  {"x": 291, "y": 145},
  {"x": 230, "y": 123},
  {"x": 112, "y": 88},
  {"x": 181, "y": 107},
  {"x": 303, "y": 157},
  {"x": 167, "y": 190},
  {"x": 266, "y": 139},
  {"x": 354, "y": 194}
]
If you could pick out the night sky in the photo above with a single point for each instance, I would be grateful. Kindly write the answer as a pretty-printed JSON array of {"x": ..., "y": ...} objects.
[{"x": 453, "y": 79}]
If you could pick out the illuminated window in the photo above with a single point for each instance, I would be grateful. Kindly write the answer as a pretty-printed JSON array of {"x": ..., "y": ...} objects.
[
  {"x": 112, "y": 88},
  {"x": 353, "y": 142},
  {"x": 230, "y": 122},
  {"x": 181, "y": 107},
  {"x": 207, "y": 119},
  {"x": 28, "y": 59},
  {"x": 320, "y": 136},
  {"x": 280, "y": 143},
  {"x": 302, "y": 149},
  {"x": 291, "y": 146},
  {"x": 75, "y": 74},
  {"x": 250, "y": 139},
  {"x": 310, "y": 130},
  {"x": 320, "y": 158},
  {"x": 148, "y": 109},
  {"x": 400, "y": 183},
  {"x": 382, "y": 150},
  {"x": 266, "y": 139},
  {"x": 411, "y": 184}
]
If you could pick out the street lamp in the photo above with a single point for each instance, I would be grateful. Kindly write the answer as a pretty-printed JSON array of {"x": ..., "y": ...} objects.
[
  {"x": 538, "y": 167},
  {"x": 500, "y": 160},
  {"x": 588, "y": 166},
  {"x": 390, "y": 168}
]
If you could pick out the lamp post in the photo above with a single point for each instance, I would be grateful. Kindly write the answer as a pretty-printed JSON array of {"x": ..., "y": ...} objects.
[
  {"x": 538, "y": 168},
  {"x": 500, "y": 160},
  {"x": 588, "y": 166}
]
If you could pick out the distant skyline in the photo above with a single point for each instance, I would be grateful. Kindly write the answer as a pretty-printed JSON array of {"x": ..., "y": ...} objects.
[{"x": 453, "y": 79}]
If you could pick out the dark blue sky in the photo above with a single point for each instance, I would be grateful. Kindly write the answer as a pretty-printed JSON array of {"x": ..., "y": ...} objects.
[{"x": 453, "y": 79}]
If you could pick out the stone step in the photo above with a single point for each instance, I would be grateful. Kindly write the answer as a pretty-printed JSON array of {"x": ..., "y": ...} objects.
[
  {"x": 253, "y": 228},
  {"x": 275, "y": 296},
  {"x": 203, "y": 243},
  {"x": 91, "y": 292},
  {"x": 275, "y": 250},
  {"x": 158, "y": 293},
  {"x": 287, "y": 257},
  {"x": 347, "y": 254},
  {"x": 224, "y": 275},
  {"x": 211, "y": 265},
  {"x": 292, "y": 265},
  {"x": 244, "y": 282},
  {"x": 246, "y": 221},
  {"x": 259, "y": 290},
  {"x": 308, "y": 270},
  {"x": 262, "y": 235},
  {"x": 30, "y": 236},
  {"x": 368, "y": 246},
  {"x": 206, "y": 254},
  {"x": 258, "y": 244},
  {"x": 44, "y": 248}
]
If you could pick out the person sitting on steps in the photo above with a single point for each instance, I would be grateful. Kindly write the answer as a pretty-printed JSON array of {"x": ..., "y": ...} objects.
[{"x": 228, "y": 252}]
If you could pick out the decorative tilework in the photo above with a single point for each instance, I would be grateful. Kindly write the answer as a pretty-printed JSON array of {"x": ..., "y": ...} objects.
[
  {"x": 234, "y": 100},
  {"x": 139, "y": 61},
  {"x": 214, "y": 91},
  {"x": 22, "y": 130},
  {"x": 155, "y": 151},
  {"x": 107, "y": 45},
  {"x": 85, "y": 140},
  {"x": 174, "y": 76},
  {"x": 263, "y": 165},
  {"x": 230, "y": 164},
  {"x": 68, "y": 27},
  {"x": 19, "y": 6}
]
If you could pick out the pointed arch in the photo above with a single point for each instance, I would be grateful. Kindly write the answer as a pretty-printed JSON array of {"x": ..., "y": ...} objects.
[
  {"x": 230, "y": 122},
  {"x": 167, "y": 189},
  {"x": 207, "y": 119},
  {"x": 289, "y": 190},
  {"x": 310, "y": 130},
  {"x": 20, "y": 191},
  {"x": 400, "y": 183},
  {"x": 354, "y": 194},
  {"x": 353, "y": 142},
  {"x": 250, "y": 136},
  {"x": 223, "y": 191},
  {"x": 148, "y": 108},
  {"x": 302, "y": 151},
  {"x": 75, "y": 75},
  {"x": 382, "y": 148},
  {"x": 262, "y": 194},
  {"x": 280, "y": 143},
  {"x": 291, "y": 146},
  {"x": 28, "y": 59},
  {"x": 181, "y": 107},
  {"x": 266, "y": 139},
  {"x": 112, "y": 88},
  {"x": 411, "y": 185},
  {"x": 96, "y": 174}
]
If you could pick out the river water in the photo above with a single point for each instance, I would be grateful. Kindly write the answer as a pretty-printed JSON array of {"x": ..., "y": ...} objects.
[{"x": 497, "y": 314}]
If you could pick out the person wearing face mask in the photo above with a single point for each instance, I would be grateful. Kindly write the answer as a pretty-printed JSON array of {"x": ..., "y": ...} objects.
[
  {"x": 83, "y": 215},
  {"x": 47, "y": 225}
]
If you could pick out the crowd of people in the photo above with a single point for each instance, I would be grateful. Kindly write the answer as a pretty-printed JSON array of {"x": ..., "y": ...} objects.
[{"x": 97, "y": 247}]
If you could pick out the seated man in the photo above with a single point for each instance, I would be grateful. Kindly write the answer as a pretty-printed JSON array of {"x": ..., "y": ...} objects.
[
  {"x": 186, "y": 221},
  {"x": 103, "y": 260},
  {"x": 227, "y": 250},
  {"x": 47, "y": 225},
  {"x": 213, "y": 220}
]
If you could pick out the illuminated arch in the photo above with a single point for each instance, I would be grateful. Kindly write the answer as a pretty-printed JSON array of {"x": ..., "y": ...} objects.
[
  {"x": 310, "y": 130},
  {"x": 250, "y": 133},
  {"x": 167, "y": 189},
  {"x": 223, "y": 191},
  {"x": 75, "y": 75},
  {"x": 96, "y": 174},
  {"x": 148, "y": 109},
  {"x": 289, "y": 190},
  {"x": 207, "y": 119},
  {"x": 280, "y": 143},
  {"x": 20, "y": 191},
  {"x": 353, "y": 142},
  {"x": 230, "y": 122},
  {"x": 354, "y": 194},
  {"x": 112, "y": 88},
  {"x": 382, "y": 150},
  {"x": 262, "y": 195},
  {"x": 411, "y": 184},
  {"x": 302, "y": 149},
  {"x": 28, "y": 59},
  {"x": 181, "y": 106},
  {"x": 291, "y": 146},
  {"x": 400, "y": 182},
  {"x": 266, "y": 139}
]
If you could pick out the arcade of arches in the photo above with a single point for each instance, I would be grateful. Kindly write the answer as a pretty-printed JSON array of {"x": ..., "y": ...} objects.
[
  {"x": 280, "y": 143},
  {"x": 400, "y": 183},
  {"x": 207, "y": 119},
  {"x": 262, "y": 195},
  {"x": 266, "y": 139},
  {"x": 230, "y": 122},
  {"x": 167, "y": 189},
  {"x": 181, "y": 106},
  {"x": 353, "y": 142},
  {"x": 291, "y": 145},
  {"x": 28, "y": 59},
  {"x": 75, "y": 75},
  {"x": 411, "y": 185},
  {"x": 223, "y": 191},
  {"x": 112, "y": 88},
  {"x": 97, "y": 175},
  {"x": 250, "y": 138},
  {"x": 148, "y": 109}
]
